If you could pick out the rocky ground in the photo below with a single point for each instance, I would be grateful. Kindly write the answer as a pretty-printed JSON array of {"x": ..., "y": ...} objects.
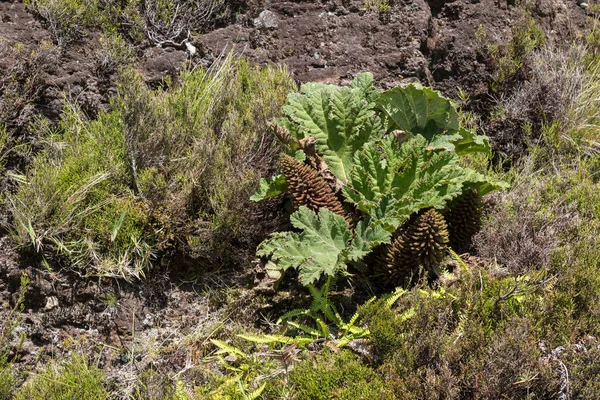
[{"x": 433, "y": 42}]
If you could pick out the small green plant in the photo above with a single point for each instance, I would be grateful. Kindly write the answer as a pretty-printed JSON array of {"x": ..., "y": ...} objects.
[
  {"x": 66, "y": 19},
  {"x": 8, "y": 379},
  {"x": 382, "y": 157},
  {"x": 381, "y": 6},
  {"x": 248, "y": 370},
  {"x": 510, "y": 58},
  {"x": 114, "y": 53},
  {"x": 75, "y": 378},
  {"x": 327, "y": 323}
]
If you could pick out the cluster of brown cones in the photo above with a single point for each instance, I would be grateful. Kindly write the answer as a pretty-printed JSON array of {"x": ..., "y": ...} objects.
[
  {"x": 308, "y": 188},
  {"x": 422, "y": 242}
]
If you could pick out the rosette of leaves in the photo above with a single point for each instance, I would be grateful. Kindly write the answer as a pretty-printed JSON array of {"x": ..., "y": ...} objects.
[{"x": 394, "y": 153}]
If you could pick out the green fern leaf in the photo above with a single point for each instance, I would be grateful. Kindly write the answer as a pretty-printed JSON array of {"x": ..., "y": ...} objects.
[
  {"x": 306, "y": 329},
  {"x": 276, "y": 339},
  {"x": 393, "y": 297},
  {"x": 257, "y": 393},
  {"x": 225, "y": 348},
  {"x": 291, "y": 314}
]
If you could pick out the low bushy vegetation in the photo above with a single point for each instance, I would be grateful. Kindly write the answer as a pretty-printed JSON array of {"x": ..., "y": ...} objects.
[
  {"x": 509, "y": 60},
  {"x": 339, "y": 375},
  {"x": 73, "y": 378},
  {"x": 65, "y": 20},
  {"x": 161, "y": 22},
  {"x": 22, "y": 79},
  {"x": 163, "y": 170},
  {"x": 386, "y": 186}
]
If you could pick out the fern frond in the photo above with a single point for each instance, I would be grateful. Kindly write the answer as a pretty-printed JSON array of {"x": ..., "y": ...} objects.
[
  {"x": 225, "y": 348},
  {"x": 291, "y": 314},
  {"x": 323, "y": 327},
  {"x": 391, "y": 298},
  {"x": 256, "y": 394},
  {"x": 306, "y": 329}
]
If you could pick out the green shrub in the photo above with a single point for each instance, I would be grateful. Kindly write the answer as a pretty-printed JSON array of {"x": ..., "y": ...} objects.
[
  {"x": 74, "y": 378},
  {"x": 23, "y": 75},
  {"x": 114, "y": 53},
  {"x": 389, "y": 155},
  {"x": 337, "y": 376},
  {"x": 163, "y": 22},
  {"x": 477, "y": 337},
  {"x": 510, "y": 59},
  {"x": 8, "y": 380},
  {"x": 65, "y": 19},
  {"x": 164, "y": 170}
]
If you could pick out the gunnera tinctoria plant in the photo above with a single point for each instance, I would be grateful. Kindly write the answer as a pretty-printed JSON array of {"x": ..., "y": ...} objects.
[{"x": 365, "y": 168}]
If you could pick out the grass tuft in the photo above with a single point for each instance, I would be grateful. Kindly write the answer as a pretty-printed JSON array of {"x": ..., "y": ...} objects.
[{"x": 164, "y": 170}]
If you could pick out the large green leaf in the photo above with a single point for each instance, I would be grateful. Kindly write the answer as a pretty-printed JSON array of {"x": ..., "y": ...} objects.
[
  {"x": 341, "y": 119},
  {"x": 269, "y": 187},
  {"x": 388, "y": 177},
  {"x": 418, "y": 109},
  {"x": 392, "y": 180},
  {"x": 422, "y": 110},
  {"x": 462, "y": 142},
  {"x": 316, "y": 251},
  {"x": 367, "y": 236}
]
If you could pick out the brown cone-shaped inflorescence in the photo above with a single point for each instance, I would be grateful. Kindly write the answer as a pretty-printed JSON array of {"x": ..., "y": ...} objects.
[
  {"x": 464, "y": 220},
  {"x": 423, "y": 242},
  {"x": 308, "y": 188}
]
